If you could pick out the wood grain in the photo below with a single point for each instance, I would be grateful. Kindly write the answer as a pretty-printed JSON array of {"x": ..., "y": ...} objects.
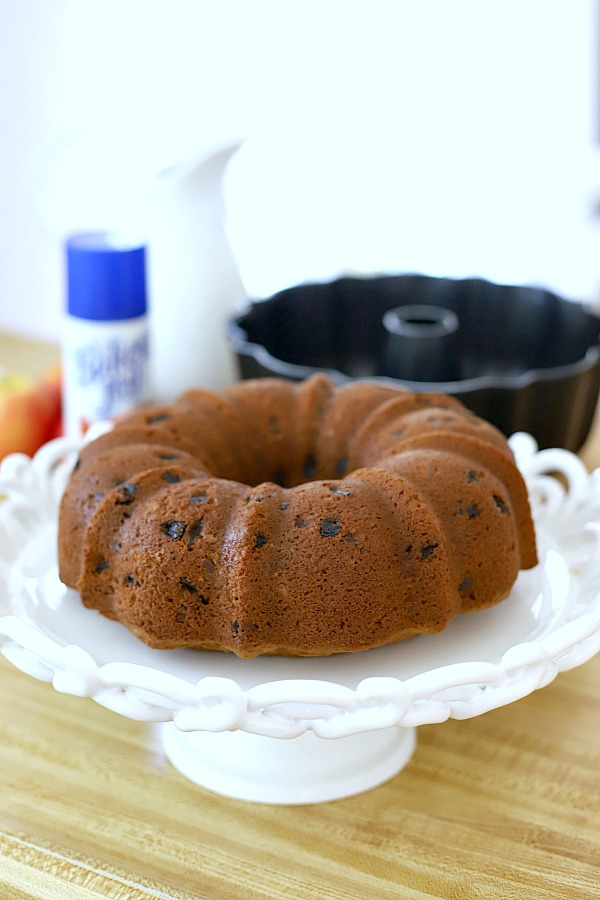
[{"x": 506, "y": 805}]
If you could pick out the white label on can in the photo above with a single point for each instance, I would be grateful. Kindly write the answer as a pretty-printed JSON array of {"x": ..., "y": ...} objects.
[{"x": 105, "y": 370}]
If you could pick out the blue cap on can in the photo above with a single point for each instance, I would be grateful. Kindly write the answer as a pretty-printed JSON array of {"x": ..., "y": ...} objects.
[{"x": 106, "y": 277}]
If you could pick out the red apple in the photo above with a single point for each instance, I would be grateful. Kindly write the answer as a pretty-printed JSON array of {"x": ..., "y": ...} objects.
[{"x": 29, "y": 412}]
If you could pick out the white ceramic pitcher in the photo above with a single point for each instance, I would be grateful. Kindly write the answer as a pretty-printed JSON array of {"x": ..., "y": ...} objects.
[{"x": 194, "y": 283}]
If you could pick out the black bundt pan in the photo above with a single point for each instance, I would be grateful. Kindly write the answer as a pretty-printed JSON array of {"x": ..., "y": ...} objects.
[{"x": 521, "y": 357}]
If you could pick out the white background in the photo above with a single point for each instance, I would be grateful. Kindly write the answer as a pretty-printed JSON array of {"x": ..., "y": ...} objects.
[{"x": 443, "y": 136}]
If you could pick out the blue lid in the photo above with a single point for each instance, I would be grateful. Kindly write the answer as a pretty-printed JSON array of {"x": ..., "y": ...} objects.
[{"x": 106, "y": 278}]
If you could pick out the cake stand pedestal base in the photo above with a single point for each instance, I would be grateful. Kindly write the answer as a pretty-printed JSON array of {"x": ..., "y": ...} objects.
[{"x": 304, "y": 769}]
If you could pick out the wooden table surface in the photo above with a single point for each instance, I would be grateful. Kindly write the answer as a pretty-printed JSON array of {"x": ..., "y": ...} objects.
[{"x": 505, "y": 805}]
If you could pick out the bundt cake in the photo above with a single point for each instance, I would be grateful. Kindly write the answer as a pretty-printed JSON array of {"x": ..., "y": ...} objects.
[{"x": 301, "y": 519}]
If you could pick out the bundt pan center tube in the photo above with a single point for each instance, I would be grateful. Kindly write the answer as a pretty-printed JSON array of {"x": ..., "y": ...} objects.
[
  {"x": 304, "y": 520},
  {"x": 421, "y": 339}
]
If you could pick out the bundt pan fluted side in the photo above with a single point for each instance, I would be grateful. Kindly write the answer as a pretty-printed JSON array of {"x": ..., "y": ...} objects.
[{"x": 521, "y": 357}]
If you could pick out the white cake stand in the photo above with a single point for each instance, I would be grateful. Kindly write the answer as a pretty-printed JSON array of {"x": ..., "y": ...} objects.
[{"x": 288, "y": 731}]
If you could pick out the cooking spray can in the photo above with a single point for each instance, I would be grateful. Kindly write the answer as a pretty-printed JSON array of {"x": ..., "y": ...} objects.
[{"x": 105, "y": 337}]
